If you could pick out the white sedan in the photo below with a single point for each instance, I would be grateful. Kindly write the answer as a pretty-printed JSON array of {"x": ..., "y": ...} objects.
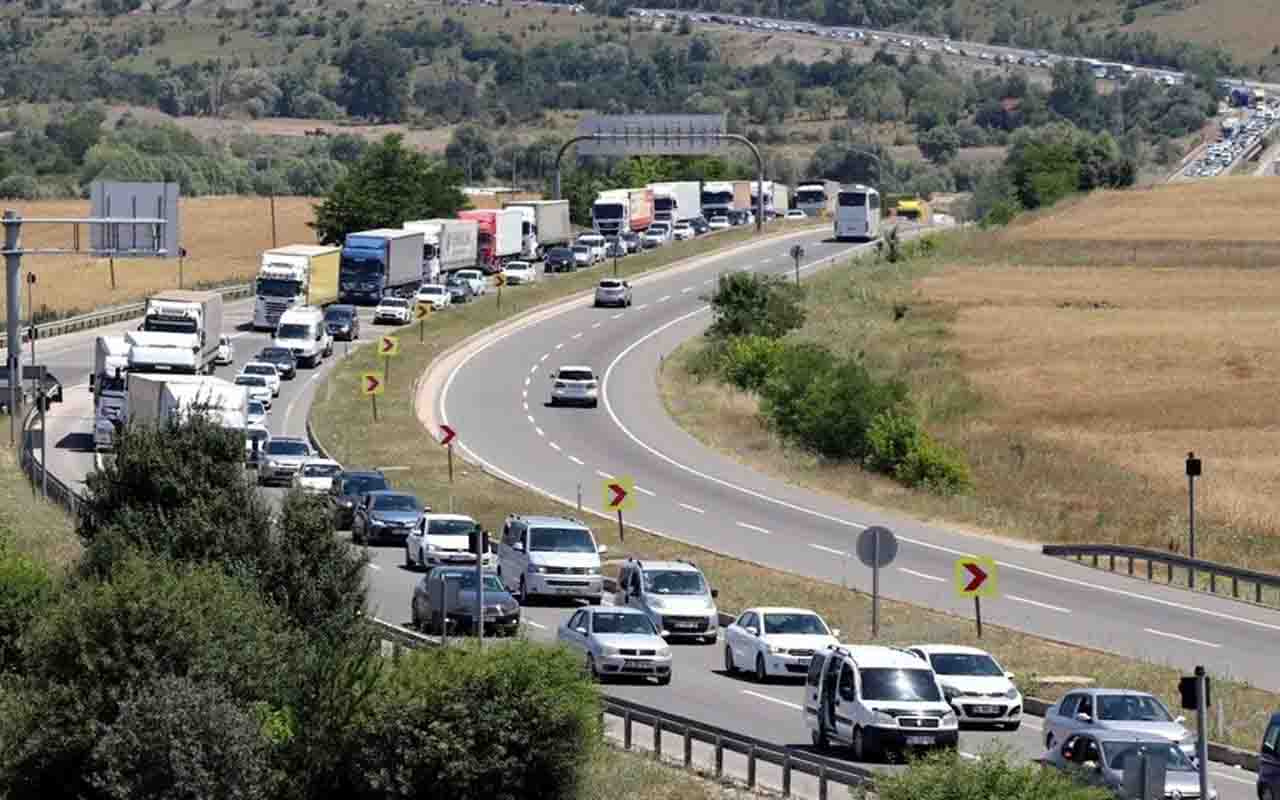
[
  {"x": 316, "y": 476},
  {"x": 975, "y": 684},
  {"x": 719, "y": 223},
  {"x": 267, "y": 371},
  {"x": 516, "y": 273},
  {"x": 776, "y": 641},
  {"x": 393, "y": 309},
  {"x": 256, "y": 387},
  {"x": 682, "y": 231},
  {"x": 479, "y": 283},
  {"x": 795, "y": 214},
  {"x": 617, "y": 642},
  {"x": 226, "y": 352},
  {"x": 436, "y": 294}
]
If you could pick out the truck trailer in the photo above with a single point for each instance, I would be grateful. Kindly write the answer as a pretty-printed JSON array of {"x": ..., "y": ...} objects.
[
  {"x": 107, "y": 383},
  {"x": 377, "y": 263},
  {"x": 292, "y": 276},
  {"x": 179, "y": 334},
  {"x": 447, "y": 244},
  {"x": 158, "y": 400},
  {"x": 617, "y": 211},
  {"x": 677, "y": 201},
  {"x": 544, "y": 224},
  {"x": 498, "y": 237}
]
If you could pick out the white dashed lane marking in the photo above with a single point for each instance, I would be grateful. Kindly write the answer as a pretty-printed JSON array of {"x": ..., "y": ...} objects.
[
  {"x": 694, "y": 509},
  {"x": 539, "y": 431},
  {"x": 643, "y": 490},
  {"x": 618, "y": 315},
  {"x": 664, "y": 298},
  {"x": 604, "y": 475},
  {"x": 577, "y": 335},
  {"x": 597, "y": 324},
  {"x": 554, "y": 446},
  {"x": 530, "y": 418},
  {"x": 922, "y": 575},
  {"x": 545, "y": 356},
  {"x": 751, "y": 527},
  {"x": 1180, "y": 638},
  {"x": 1039, "y": 604},
  {"x": 560, "y": 346},
  {"x": 576, "y": 460},
  {"x": 830, "y": 550}
]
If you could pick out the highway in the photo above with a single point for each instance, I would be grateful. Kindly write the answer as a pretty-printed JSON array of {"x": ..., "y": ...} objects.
[{"x": 702, "y": 497}]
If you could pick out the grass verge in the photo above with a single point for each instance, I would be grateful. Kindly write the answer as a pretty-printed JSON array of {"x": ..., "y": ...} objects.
[
  {"x": 342, "y": 420},
  {"x": 32, "y": 526},
  {"x": 615, "y": 774}
]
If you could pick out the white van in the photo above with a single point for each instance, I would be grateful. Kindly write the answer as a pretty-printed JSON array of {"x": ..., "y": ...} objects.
[
  {"x": 303, "y": 331},
  {"x": 550, "y": 556},
  {"x": 875, "y": 699}
]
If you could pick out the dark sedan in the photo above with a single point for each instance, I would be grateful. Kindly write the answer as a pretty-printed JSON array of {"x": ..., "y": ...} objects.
[
  {"x": 559, "y": 259},
  {"x": 700, "y": 225},
  {"x": 283, "y": 358},
  {"x": 385, "y": 517},
  {"x": 342, "y": 322},
  {"x": 348, "y": 488},
  {"x": 459, "y": 289}
]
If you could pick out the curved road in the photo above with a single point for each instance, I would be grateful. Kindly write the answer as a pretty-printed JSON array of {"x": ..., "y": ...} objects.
[{"x": 698, "y": 496}]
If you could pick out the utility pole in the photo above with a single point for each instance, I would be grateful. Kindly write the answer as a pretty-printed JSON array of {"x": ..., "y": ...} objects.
[
  {"x": 13, "y": 300},
  {"x": 1194, "y": 468}
]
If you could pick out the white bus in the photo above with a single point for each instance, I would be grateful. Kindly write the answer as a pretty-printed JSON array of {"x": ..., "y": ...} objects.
[{"x": 858, "y": 213}]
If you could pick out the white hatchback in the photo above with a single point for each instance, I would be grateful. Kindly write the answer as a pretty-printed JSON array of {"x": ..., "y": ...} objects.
[
  {"x": 316, "y": 476},
  {"x": 265, "y": 370}
]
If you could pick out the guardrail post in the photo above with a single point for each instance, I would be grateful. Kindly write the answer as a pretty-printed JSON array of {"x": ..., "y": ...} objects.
[
  {"x": 657, "y": 739},
  {"x": 786, "y": 774},
  {"x": 626, "y": 729},
  {"x": 1257, "y": 588},
  {"x": 1130, "y": 565},
  {"x": 719, "y": 757},
  {"x": 822, "y": 782},
  {"x": 1113, "y": 563},
  {"x": 688, "y": 747},
  {"x": 1170, "y": 566},
  {"x": 1235, "y": 586},
  {"x": 1213, "y": 583},
  {"x": 1151, "y": 566},
  {"x": 1095, "y": 560},
  {"x": 751, "y": 767}
]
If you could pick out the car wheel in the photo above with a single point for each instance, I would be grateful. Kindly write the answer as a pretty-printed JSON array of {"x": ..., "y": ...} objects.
[
  {"x": 522, "y": 593},
  {"x": 859, "y": 745},
  {"x": 762, "y": 674},
  {"x": 1013, "y": 726},
  {"x": 591, "y": 668},
  {"x": 664, "y": 680},
  {"x": 595, "y": 403},
  {"x": 1048, "y": 741},
  {"x": 595, "y": 601},
  {"x": 728, "y": 660},
  {"x": 408, "y": 560},
  {"x": 819, "y": 738},
  {"x": 413, "y": 615},
  {"x": 357, "y": 536}
]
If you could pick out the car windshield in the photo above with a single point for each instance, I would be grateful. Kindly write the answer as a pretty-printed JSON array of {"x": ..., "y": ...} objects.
[
  {"x": 801, "y": 624},
  {"x": 560, "y": 252},
  {"x": 431, "y": 290},
  {"x": 890, "y": 683},
  {"x": 450, "y": 527},
  {"x": 320, "y": 470},
  {"x": 575, "y": 375},
  {"x": 293, "y": 332},
  {"x": 581, "y": 248},
  {"x": 674, "y": 582},
  {"x": 339, "y": 314},
  {"x": 1116, "y": 753},
  {"x": 259, "y": 369},
  {"x": 615, "y": 622},
  {"x": 395, "y": 302},
  {"x": 456, "y": 283},
  {"x": 396, "y": 502},
  {"x": 466, "y": 580},
  {"x": 965, "y": 664},
  {"x": 610, "y": 284},
  {"x": 258, "y": 434},
  {"x": 468, "y": 274},
  {"x": 360, "y": 484},
  {"x": 1131, "y": 708},
  {"x": 288, "y": 447},
  {"x": 256, "y": 407},
  {"x": 250, "y": 380},
  {"x": 276, "y": 354},
  {"x": 561, "y": 540}
]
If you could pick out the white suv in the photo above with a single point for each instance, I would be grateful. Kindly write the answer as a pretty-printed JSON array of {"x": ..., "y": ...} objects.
[
  {"x": 575, "y": 385},
  {"x": 550, "y": 556}
]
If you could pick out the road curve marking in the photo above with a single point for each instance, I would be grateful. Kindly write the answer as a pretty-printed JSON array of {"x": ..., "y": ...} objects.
[{"x": 1181, "y": 638}]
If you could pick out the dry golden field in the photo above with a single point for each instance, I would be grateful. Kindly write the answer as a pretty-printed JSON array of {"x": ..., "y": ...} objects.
[
  {"x": 224, "y": 237},
  {"x": 1074, "y": 376}
]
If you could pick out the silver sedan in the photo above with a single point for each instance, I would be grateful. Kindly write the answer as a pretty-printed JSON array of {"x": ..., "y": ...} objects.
[
  {"x": 617, "y": 642},
  {"x": 1097, "y": 710}
]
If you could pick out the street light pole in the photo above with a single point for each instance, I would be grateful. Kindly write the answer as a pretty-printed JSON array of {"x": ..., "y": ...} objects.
[
  {"x": 31, "y": 316},
  {"x": 1194, "y": 468}
]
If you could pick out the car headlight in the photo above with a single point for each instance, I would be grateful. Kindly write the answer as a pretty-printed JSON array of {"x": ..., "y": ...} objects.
[
  {"x": 377, "y": 523},
  {"x": 537, "y": 569},
  {"x": 881, "y": 718},
  {"x": 606, "y": 650},
  {"x": 1012, "y": 694},
  {"x": 950, "y": 718},
  {"x": 664, "y": 651},
  {"x": 950, "y": 692},
  {"x": 560, "y": 384},
  {"x": 776, "y": 650},
  {"x": 656, "y": 602}
]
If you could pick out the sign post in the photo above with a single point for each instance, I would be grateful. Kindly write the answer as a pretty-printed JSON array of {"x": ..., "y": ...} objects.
[
  {"x": 501, "y": 280},
  {"x": 420, "y": 312},
  {"x": 797, "y": 253},
  {"x": 618, "y": 495},
  {"x": 1195, "y": 695},
  {"x": 975, "y": 576},
  {"x": 371, "y": 386},
  {"x": 388, "y": 346},
  {"x": 877, "y": 547},
  {"x": 1193, "y": 471},
  {"x": 446, "y": 439}
]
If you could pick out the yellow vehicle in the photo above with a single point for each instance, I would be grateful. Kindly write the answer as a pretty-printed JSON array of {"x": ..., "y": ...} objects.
[{"x": 915, "y": 210}]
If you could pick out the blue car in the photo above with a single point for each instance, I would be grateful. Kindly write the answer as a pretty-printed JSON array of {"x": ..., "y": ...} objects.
[
  {"x": 385, "y": 516},
  {"x": 1269, "y": 761}
]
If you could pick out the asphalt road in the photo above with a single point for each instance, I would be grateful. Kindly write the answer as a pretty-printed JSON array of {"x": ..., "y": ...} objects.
[{"x": 714, "y": 507}]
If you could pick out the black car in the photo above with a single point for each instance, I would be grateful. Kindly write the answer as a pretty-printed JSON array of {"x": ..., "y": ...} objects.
[
  {"x": 460, "y": 290},
  {"x": 342, "y": 322},
  {"x": 559, "y": 259},
  {"x": 286, "y": 363},
  {"x": 699, "y": 225},
  {"x": 348, "y": 488}
]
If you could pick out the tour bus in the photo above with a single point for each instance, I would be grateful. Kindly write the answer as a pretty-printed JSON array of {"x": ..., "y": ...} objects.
[{"x": 858, "y": 213}]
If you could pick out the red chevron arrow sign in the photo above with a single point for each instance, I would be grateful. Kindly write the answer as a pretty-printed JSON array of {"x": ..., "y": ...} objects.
[
  {"x": 618, "y": 493},
  {"x": 447, "y": 434},
  {"x": 975, "y": 577},
  {"x": 979, "y": 577}
]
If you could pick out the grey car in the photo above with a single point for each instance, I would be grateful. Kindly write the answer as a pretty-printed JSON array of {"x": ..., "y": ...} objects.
[
  {"x": 1100, "y": 711},
  {"x": 348, "y": 489},
  {"x": 385, "y": 517},
  {"x": 613, "y": 292},
  {"x": 1100, "y": 758},
  {"x": 449, "y": 593},
  {"x": 281, "y": 458}
]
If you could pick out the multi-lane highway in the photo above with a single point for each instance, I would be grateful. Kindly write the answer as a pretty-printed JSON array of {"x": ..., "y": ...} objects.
[{"x": 699, "y": 496}]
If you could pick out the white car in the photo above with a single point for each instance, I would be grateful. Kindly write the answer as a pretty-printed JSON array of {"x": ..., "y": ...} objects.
[
  {"x": 265, "y": 370},
  {"x": 795, "y": 214},
  {"x": 975, "y": 684},
  {"x": 598, "y": 244},
  {"x": 316, "y": 476},
  {"x": 282, "y": 457},
  {"x": 617, "y": 642},
  {"x": 479, "y": 283},
  {"x": 257, "y": 414},
  {"x": 255, "y": 439},
  {"x": 519, "y": 272},
  {"x": 682, "y": 231},
  {"x": 582, "y": 256},
  {"x": 256, "y": 387},
  {"x": 719, "y": 223},
  {"x": 393, "y": 309},
  {"x": 436, "y": 294},
  {"x": 444, "y": 540},
  {"x": 772, "y": 641},
  {"x": 654, "y": 236},
  {"x": 226, "y": 352},
  {"x": 575, "y": 385}
]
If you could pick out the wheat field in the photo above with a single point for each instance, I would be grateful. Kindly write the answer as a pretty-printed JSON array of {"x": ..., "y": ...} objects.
[{"x": 224, "y": 238}]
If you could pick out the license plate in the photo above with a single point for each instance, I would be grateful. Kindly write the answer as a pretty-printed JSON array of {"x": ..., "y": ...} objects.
[
  {"x": 919, "y": 740},
  {"x": 986, "y": 710},
  {"x": 687, "y": 625},
  {"x": 638, "y": 664}
]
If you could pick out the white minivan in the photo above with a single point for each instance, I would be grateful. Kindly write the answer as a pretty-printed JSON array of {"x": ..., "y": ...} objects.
[
  {"x": 303, "y": 331},
  {"x": 875, "y": 699},
  {"x": 550, "y": 557}
]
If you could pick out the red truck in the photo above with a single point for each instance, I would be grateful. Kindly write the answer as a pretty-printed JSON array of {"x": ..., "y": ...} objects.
[{"x": 500, "y": 235}]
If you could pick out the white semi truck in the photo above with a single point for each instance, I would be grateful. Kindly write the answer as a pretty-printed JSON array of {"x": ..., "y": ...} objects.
[
  {"x": 179, "y": 333},
  {"x": 161, "y": 399},
  {"x": 447, "y": 244},
  {"x": 776, "y": 198},
  {"x": 676, "y": 201},
  {"x": 293, "y": 276},
  {"x": 544, "y": 224},
  {"x": 107, "y": 382}
]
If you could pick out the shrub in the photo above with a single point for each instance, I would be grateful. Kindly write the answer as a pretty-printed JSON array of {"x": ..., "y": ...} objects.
[
  {"x": 748, "y": 361},
  {"x": 947, "y": 776},
  {"x": 25, "y": 588},
  {"x": 892, "y": 436},
  {"x": 20, "y": 187},
  {"x": 748, "y": 304},
  {"x": 935, "y": 467}
]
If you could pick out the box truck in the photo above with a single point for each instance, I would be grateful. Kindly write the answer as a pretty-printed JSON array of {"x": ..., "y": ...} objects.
[
  {"x": 544, "y": 224},
  {"x": 294, "y": 275},
  {"x": 157, "y": 400},
  {"x": 107, "y": 382},
  {"x": 179, "y": 333},
  {"x": 447, "y": 244},
  {"x": 677, "y": 201},
  {"x": 379, "y": 262},
  {"x": 620, "y": 210},
  {"x": 498, "y": 236},
  {"x": 817, "y": 198}
]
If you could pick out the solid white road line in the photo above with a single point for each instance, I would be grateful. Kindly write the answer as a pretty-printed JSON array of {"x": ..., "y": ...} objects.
[
  {"x": 554, "y": 446},
  {"x": 751, "y": 527},
  {"x": 604, "y": 475},
  {"x": 777, "y": 700},
  {"x": 643, "y": 490},
  {"x": 1187, "y": 639},
  {"x": 934, "y": 578},
  {"x": 694, "y": 509},
  {"x": 830, "y": 550},
  {"x": 576, "y": 460},
  {"x": 1038, "y": 604}
]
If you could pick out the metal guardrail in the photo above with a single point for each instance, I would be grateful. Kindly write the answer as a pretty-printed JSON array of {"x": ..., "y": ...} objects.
[
  {"x": 58, "y": 491},
  {"x": 96, "y": 319},
  {"x": 1136, "y": 555}
]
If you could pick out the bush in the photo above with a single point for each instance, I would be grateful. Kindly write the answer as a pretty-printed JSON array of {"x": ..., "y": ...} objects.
[
  {"x": 892, "y": 436},
  {"x": 748, "y": 361},
  {"x": 747, "y": 304},
  {"x": 25, "y": 589},
  {"x": 517, "y": 722},
  {"x": 20, "y": 187},
  {"x": 996, "y": 776},
  {"x": 935, "y": 467}
]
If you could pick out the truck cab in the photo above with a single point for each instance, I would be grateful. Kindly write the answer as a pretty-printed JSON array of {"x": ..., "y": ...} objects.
[
  {"x": 280, "y": 287},
  {"x": 108, "y": 385},
  {"x": 304, "y": 332}
]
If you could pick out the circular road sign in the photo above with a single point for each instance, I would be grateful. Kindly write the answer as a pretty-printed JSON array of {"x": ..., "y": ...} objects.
[{"x": 868, "y": 551}]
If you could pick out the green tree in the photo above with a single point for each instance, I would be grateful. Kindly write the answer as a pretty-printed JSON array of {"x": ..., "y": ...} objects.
[
  {"x": 471, "y": 151},
  {"x": 76, "y": 131},
  {"x": 939, "y": 145},
  {"x": 375, "y": 79},
  {"x": 25, "y": 589},
  {"x": 388, "y": 185},
  {"x": 746, "y": 304}
]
